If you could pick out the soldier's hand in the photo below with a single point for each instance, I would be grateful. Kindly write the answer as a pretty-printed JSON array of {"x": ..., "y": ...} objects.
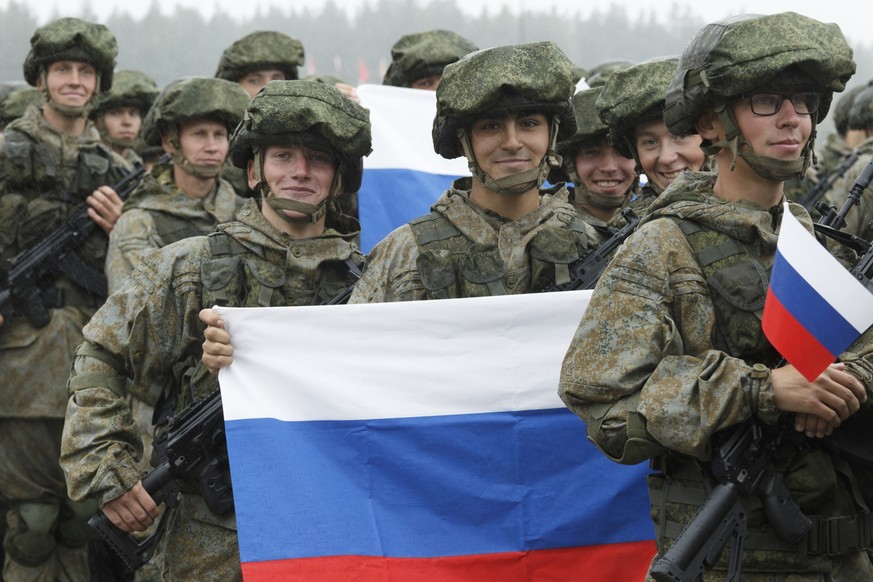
[
  {"x": 217, "y": 351},
  {"x": 133, "y": 510},
  {"x": 105, "y": 207},
  {"x": 834, "y": 396}
]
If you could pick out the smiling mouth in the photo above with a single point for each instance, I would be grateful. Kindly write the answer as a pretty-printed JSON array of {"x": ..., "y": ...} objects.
[{"x": 671, "y": 175}]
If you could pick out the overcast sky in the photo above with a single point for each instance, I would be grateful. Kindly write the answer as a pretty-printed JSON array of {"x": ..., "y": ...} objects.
[{"x": 855, "y": 21}]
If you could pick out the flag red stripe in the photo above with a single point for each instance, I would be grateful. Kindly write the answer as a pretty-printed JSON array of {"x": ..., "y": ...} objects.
[
  {"x": 792, "y": 340},
  {"x": 625, "y": 561}
]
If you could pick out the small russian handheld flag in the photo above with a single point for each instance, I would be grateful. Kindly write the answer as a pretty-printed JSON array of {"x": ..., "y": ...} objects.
[{"x": 815, "y": 308}]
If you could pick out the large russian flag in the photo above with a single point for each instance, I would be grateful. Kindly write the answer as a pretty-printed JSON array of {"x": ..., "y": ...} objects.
[
  {"x": 403, "y": 176},
  {"x": 815, "y": 308},
  {"x": 422, "y": 441}
]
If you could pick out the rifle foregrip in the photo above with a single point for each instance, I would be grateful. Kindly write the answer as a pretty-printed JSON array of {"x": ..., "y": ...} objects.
[{"x": 701, "y": 542}]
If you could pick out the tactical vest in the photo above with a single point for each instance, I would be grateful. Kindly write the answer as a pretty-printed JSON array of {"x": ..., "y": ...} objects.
[
  {"x": 32, "y": 167},
  {"x": 451, "y": 265},
  {"x": 738, "y": 284}
]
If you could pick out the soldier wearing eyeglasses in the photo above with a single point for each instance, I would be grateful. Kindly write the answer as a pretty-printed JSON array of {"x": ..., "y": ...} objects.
[{"x": 670, "y": 351}]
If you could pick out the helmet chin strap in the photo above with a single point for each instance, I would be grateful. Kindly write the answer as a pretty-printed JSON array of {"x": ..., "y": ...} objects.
[
  {"x": 765, "y": 166},
  {"x": 515, "y": 184},
  {"x": 312, "y": 213}
]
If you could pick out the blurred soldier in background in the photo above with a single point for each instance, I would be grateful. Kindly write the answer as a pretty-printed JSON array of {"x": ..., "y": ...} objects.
[
  {"x": 16, "y": 101},
  {"x": 51, "y": 165},
  {"x": 119, "y": 112},
  {"x": 418, "y": 59}
]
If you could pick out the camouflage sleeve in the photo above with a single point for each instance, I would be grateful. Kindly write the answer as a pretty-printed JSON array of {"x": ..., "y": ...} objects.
[
  {"x": 391, "y": 273},
  {"x": 641, "y": 369},
  {"x": 133, "y": 236},
  {"x": 131, "y": 345}
]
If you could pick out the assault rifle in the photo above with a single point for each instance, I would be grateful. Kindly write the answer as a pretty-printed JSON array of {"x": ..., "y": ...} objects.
[
  {"x": 832, "y": 220},
  {"x": 585, "y": 271},
  {"x": 810, "y": 198},
  {"x": 186, "y": 451},
  {"x": 742, "y": 464},
  {"x": 52, "y": 255}
]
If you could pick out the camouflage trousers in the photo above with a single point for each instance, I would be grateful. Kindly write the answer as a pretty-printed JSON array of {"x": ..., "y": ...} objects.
[
  {"x": 32, "y": 483},
  {"x": 199, "y": 546}
]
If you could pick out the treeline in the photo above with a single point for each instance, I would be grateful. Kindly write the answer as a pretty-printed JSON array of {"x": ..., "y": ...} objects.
[{"x": 358, "y": 50}]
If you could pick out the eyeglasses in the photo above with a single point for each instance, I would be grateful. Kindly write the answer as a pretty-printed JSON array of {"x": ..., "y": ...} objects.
[{"x": 765, "y": 104}]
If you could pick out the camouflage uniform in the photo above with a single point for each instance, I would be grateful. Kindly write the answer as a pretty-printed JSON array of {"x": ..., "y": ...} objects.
[
  {"x": 461, "y": 249},
  {"x": 424, "y": 54},
  {"x": 45, "y": 177},
  {"x": 859, "y": 217},
  {"x": 129, "y": 89},
  {"x": 16, "y": 101},
  {"x": 670, "y": 350},
  {"x": 147, "y": 339}
]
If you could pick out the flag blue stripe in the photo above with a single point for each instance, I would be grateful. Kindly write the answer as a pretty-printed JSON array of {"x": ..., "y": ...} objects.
[
  {"x": 390, "y": 198},
  {"x": 429, "y": 487},
  {"x": 810, "y": 309}
]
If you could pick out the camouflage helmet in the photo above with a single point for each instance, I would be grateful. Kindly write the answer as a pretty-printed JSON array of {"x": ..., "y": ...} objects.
[
  {"x": 16, "y": 102},
  {"x": 843, "y": 107},
  {"x": 72, "y": 39},
  {"x": 535, "y": 76},
  {"x": 861, "y": 113},
  {"x": 129, "y": 89},
  {"x": 589, "y": 128},
  {"x": 307, "y": 113},
  {"x": 597, "y": 75},
  {"x": 191, "y": 98},
  {"x": 424, "y": 54},
  {"x": 259, "y": 51},
  {"x": 737, "y": 55},
  {"x": 632, "y": 96}
]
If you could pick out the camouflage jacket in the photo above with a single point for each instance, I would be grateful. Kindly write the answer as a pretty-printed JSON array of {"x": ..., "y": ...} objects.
[
  {"x": 138, "y": 230},
  {"x": 859, "y": 217},
  {"x": 147, "y": 338},
  {"x": 45, "y": 177},
  {"x": 392, "y": 272},
  {"x": 644, "y": 372}
]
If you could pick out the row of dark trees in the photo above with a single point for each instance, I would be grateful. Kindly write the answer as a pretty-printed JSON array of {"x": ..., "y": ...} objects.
[{"x": 357, "y": 49}]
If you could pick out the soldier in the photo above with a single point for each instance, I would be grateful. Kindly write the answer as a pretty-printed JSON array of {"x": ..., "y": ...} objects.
[
  {"x": 418, "y": 59},
  {"x": 15, "y": 101},
  {"x": 51, "y": 164},
  {"x": 193, "y": 120},
  {"x": 120, "y": 111},
  {"x": 597, "y": 75},
  {"x": 670, "y": 350},
  {"x": 631, "y": 104},
  {"x": 504, "y": 109},
  {"x": 301, "y": 144},
  {"x": 261, "y": 57},
  {"x": 859, "y": 217},
  {"x": 604, "y": 180}
]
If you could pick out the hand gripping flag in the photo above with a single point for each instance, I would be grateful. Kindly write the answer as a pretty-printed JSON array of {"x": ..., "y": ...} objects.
[
  {"x": 815, "y": 308},
  {"x": 422, "y": 441},
  {"x": 403, "y": 176}
]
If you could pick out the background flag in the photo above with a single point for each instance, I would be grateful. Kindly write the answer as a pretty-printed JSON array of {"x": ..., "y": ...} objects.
[
  {"x": 403, "y": 176},
  {"x": 422, "y": 441},
  {"x": 815, "y": 308}
]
